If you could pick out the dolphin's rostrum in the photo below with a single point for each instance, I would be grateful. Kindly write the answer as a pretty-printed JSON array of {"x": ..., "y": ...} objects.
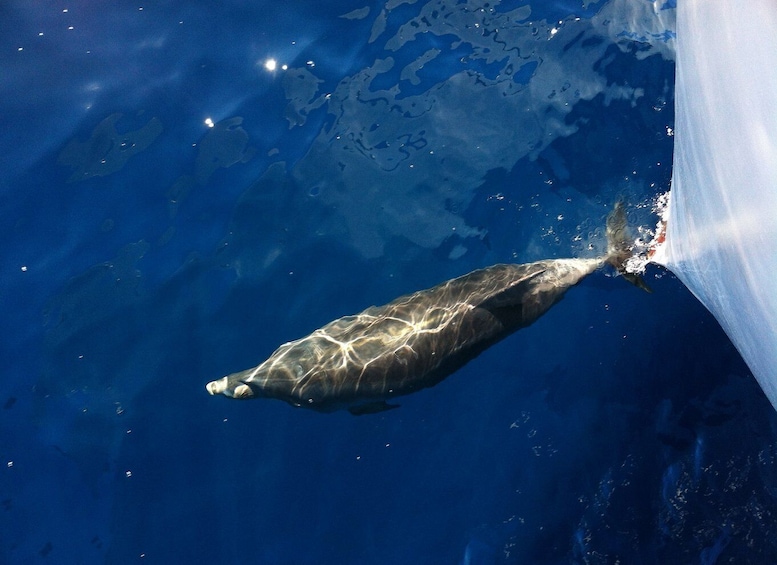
[{"x": 359, "y": 362}]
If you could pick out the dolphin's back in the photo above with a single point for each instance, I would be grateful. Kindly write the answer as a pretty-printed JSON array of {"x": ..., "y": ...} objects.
[
  {"x": 399, "y": 347},
  {"x": 410, "y": 343}
]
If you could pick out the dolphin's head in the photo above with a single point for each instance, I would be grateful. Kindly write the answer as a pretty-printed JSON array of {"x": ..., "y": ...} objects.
[
  {"x": 230, "y": 387},
  {"x": 268, "y": 380}
]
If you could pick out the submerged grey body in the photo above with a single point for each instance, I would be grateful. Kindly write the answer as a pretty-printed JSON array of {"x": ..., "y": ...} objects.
[
  {"x": 358, "y": 362},
  {"x": 413, "y": 342}
]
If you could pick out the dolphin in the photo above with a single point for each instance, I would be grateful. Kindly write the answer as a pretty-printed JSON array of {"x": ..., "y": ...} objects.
[{"x": 360, "y": 362}]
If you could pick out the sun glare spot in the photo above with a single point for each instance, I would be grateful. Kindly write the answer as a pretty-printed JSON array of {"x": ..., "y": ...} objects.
[
  {"x": 270, "y": 64},
  {"x": 209, "y": 122}
]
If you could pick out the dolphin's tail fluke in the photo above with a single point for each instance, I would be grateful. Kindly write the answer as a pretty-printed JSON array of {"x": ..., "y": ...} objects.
[{"x": 619, "y": 247}]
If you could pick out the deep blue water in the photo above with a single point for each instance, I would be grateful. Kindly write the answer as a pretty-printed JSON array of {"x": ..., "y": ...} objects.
[{"x": 146, "y": 253}]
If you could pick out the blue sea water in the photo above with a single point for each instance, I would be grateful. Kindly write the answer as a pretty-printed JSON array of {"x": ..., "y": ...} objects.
[{"x": 173, "y": 209}]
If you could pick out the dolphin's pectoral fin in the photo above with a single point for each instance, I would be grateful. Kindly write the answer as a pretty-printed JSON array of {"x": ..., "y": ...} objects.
[{"x": 371, "y": 408}]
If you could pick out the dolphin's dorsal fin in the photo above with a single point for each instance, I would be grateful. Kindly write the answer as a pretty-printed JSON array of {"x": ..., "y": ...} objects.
[{"x": 513, "y": 294}]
